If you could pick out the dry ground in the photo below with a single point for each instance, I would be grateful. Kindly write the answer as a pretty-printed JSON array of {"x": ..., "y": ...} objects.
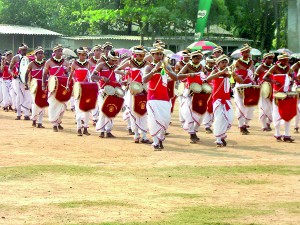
[{"x": 59, "y": 178}]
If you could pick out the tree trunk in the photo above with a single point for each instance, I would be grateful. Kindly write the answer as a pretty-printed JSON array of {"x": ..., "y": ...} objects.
[{"x": 264, "y": 26}]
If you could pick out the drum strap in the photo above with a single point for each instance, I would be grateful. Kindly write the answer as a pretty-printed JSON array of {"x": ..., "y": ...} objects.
[
  {"x": 57, "y": 71},
  {"x": 160, "y": 77},
  {"x": 108, "y": 78},
  {"x": 137, "y": 76}
]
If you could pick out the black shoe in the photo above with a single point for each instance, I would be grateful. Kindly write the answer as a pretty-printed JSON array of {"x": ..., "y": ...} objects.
[
  {"x": 167, "y": 133},
  {"x": 146, "y": 141},
  {"x": 79, "y": 133},
  {"x": 60, "y": 127},
  {"x": 161, "y": 145},
  {"x": 194, "y": 138},
  {"x": 288, "y": 139},
  {"x": 208, "y": 130},
  {"x": 137, "y": 140},
  {"x": 55, "y": 129},
  {"x": 34, "y": 123},
  {"x": 85, "y": 131},
  {"x": 130, "y": 132},
  {"x": 18, "y": 118},
  {"x": 5, "y": 109},
  {"x": 224, "y": 142},
  {"x": 296, "y": 130},
  {"x": 244, "y": 130},
  {"x": 101, "y": 135},
  {"x": 219, "y": 144},
  {"x": 10, "y": 108},
  {"x": 156, "y": 147},
  {"x": 26, "y": 118},
  {"x": 278, "y": 139},
  {"x": 110, "y": 135},
  {"x": 40, "y": 125}
]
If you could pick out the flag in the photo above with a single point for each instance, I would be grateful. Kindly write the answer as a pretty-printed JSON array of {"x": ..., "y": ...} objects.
[{"x": 203, "y": 12}]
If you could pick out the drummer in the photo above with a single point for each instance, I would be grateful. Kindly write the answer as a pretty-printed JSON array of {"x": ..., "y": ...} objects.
[
  {"x": 55, "y": 66},
  {"x": 107, "y": 47},
  {"x": 217, "y": 52},
  {"x": 158, "y": 104},
  {"x": 265, "y": 104},
  {"x": 35, "y": 70},
  {"x": 209, "y": 116},
  {"x": 281, "y": 69},
  {"x": 104, "y": 123},
  {"x": 296, "y": 69},
  {"x": 222, "y": 107},
  {"x": 135, "y": 66},
  {"x": 178, "y": 66},
  {"x": 93, "y": 61},
  {"x": 192, "y": 72},
  {"x": 80, "y": 65},
  {"x": 7, "y": 81},
  {"x": 244, "y": 68},
  {"x": 22, "y": 94}
]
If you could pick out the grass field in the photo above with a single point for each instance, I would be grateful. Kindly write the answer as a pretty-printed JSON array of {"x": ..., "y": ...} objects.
[{"x": 59, "y": 178}]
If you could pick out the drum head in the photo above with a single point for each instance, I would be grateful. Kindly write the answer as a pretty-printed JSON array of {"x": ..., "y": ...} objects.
[
  {"x": 280, "y": 95},
  {"x": 119, "y": 92},
  {"x": 195, "y": 87},
  {"x": 207, "y": 88},
  {"x": 52, "y": 83},
  {"x": 109, "y": 90},
  {"x": 33, "y": 86},
  {"x": 298, "y": 89},
  {"x": 266, "y": 89},
  {"x": 292, "y": 93},
  {"x": 23, "y": 68},
  {"x": 181, "y": 88},
  {"x": 136, "y": 87},
  {"x": 77, "y": 90}
]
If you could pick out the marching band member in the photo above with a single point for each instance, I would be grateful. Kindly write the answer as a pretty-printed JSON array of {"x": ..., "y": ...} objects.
[
  {"x": 56, "y": 66},
  {"x": 296, "y": 69},
  {"x": 35, "y": 70},
  {"x": 222, "y": 107},
  {"x": 138, "y": 120},
  {"x": 23, "y": 97},
  {"x": 107, "y": 47},
  {"x": 178, "y": 66},
  {"x": 245, "y": 69},
  {"x": 217, "y": 52},
  {"x": 80, "y": 72},
  {"x": 278, "y": 75},
  {"x": 93, "y": 61},
  {"x": 193, "y": 72},
  {"x": 7, "y": 81},
  {"x": 158, "y": 104},
  {"x": 209, "y": 116},
  {"x": 104, "y": 73},
  {"x": 265, "y": 104}
]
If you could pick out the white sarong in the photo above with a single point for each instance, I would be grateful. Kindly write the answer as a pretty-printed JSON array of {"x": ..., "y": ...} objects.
[{"x": 56, "y": 110}]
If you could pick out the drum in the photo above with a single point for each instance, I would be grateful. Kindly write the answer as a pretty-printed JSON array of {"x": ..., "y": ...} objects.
[
  {"x": 112, "y": 105},
  {"x": 280, "y": 95},
  {"x": 135, "y": 88},
  {"x": 139, "y": 104},
  {"x": 119, "y": 92},
  {"x": 57, "y": 85},
  {"x": 40, "y": 98},
  {"x": 33, "y": 86},
  {"x": 109, "y": 90},
  {"x": 171, "y": 87},
  {"x": 195, "y": 87},
  {"x": 298, "y": 89},
  {"x": 23, "y": 68},
  {"x": 266, "y": 90},
  {"x": 181, "y": 87},
  {"x": 86, "y": 93},
  {"x": 292, "y": 94},
  {"x": 251, "y": 94},
  {"x": 207, "y": 88}
]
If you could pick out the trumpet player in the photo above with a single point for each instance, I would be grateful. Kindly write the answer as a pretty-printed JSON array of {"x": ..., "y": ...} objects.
[{"x": 222, "y": 107}]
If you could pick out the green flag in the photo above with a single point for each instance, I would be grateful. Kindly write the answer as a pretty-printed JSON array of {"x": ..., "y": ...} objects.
[{"x": 203, "y": 11}]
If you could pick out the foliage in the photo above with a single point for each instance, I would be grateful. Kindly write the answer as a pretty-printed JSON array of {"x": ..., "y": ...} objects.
[{"x": 257, "y": 20}]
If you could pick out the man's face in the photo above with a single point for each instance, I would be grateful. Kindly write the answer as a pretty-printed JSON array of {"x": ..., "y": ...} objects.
[
  {"x": 269, "y": 60},
  {"x": 196, "y": 59},
  {"x": 107, "y": 49},
  {"x": 246, "y": 54},
  {"x": 223, "y": 64},
  {"x": 139, "y": 57},
  {"x": 58, "y": 53},
  {"x": 218, "y": 53},
  {"x": 284, "y": 62},
  {"x": 158, "y": 56},
  {"x": 82, "y": 56},
  {"x": 211, "y": 64},
  {"x": 113, "y": 61},
  {"x": 97, "y": 53},
  {"x": 186, "y": 58},
  {"x": 39, "y": 56},
  {"x": 23, "y": 51}
]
